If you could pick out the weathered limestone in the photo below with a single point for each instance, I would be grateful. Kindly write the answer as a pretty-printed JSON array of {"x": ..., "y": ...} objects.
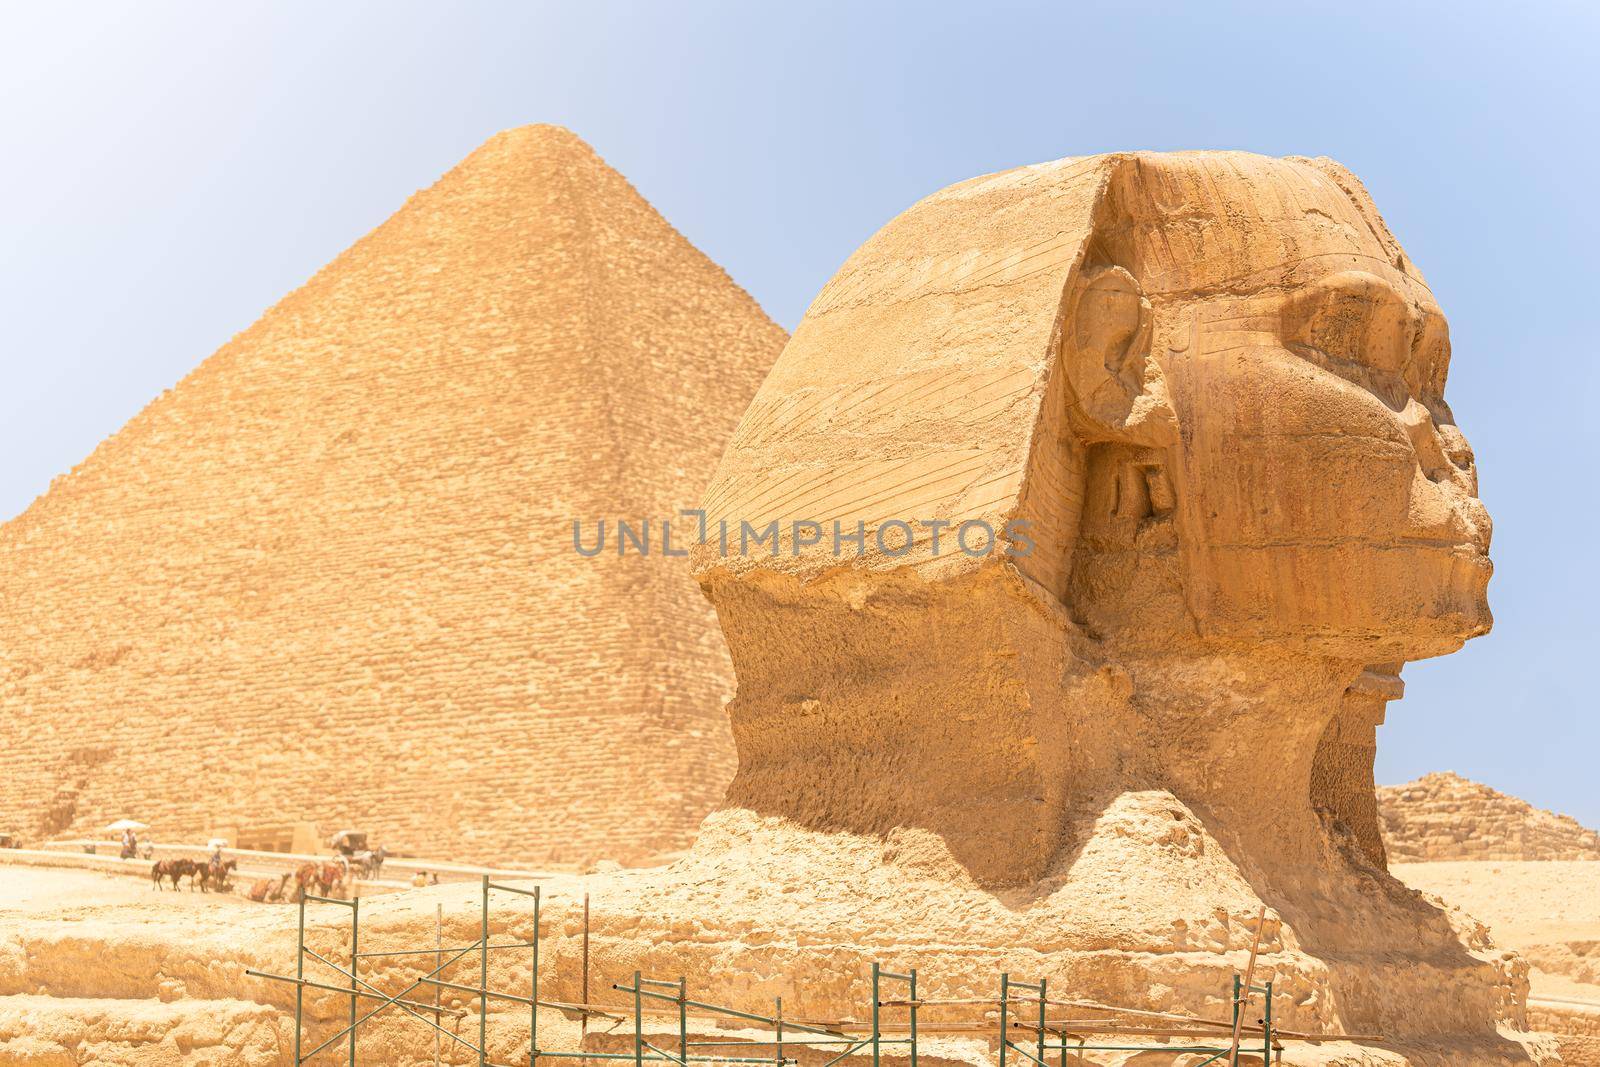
[
  {"x": 1442, "y": 816},
  {"x": 330, "y": 575}
]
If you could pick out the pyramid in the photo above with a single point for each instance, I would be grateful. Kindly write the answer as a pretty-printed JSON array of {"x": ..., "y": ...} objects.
[
  {"x": 1443, "y": 816},
  {"x": 330, "y": 575}
]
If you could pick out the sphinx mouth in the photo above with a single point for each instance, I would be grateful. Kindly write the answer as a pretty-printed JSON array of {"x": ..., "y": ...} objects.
[
  {"x": 1470, "y": 559},
  {"x": 1463, "y": 546}
]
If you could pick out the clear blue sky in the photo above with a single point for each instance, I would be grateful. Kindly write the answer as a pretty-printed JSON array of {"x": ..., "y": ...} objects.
[{"x": 171, "y": 170}]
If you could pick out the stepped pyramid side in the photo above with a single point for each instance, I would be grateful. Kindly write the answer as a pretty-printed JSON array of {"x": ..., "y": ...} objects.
[
  {"x": 1442, "y": 816},
  {"x": 330, "y": 575}
]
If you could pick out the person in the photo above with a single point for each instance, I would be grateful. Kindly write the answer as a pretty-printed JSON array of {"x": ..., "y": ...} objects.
[
  {"x": 130, "y": 843},
  {"x": 419, "y": 880}
]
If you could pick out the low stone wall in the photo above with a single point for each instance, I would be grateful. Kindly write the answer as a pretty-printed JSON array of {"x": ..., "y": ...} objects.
[{"x": 1576, "y": 1026}]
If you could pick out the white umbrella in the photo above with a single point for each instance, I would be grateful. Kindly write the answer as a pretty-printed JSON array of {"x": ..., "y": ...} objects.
[{"x": 128, "y": 824}]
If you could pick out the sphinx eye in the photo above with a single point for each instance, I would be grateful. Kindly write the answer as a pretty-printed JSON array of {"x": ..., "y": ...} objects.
[
  {"x": 1430, "y": 358},
  {"x": 1352, "y": 316}
]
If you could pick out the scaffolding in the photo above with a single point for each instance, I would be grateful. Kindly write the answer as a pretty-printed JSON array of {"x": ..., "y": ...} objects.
[{"x": 1030, "y": 1041}]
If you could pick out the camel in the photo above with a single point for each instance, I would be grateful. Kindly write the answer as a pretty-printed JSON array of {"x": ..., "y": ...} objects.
[
  {"x": 305, "y": 876},
  {"x": 269, "y": 890},
  {"x": 331, "y": 877},
  {"x": 324, "y": 877}
]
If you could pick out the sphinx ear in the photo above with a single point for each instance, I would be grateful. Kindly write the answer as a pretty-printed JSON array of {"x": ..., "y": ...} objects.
[{"x": 1117, "y": 386}]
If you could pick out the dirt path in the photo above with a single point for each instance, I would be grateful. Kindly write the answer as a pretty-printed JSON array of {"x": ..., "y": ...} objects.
[{"x": 52, "y": 892}]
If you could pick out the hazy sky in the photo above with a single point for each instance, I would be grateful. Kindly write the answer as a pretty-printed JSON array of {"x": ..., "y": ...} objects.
[{"x": 169, "y": 171}]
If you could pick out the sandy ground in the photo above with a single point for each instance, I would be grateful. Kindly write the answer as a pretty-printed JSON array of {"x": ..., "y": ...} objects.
[
  {"x": 1548, "y": 911},
  {"x": 1525, "y": 904},
  {"x": 70, "y": 894},
  {"x": 1529, "y": 906}
]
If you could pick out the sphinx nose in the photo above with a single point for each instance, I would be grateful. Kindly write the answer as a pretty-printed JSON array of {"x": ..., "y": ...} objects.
[
  {"x": 1478, "y": 519},
  {"x": 1445, "y": 500},
  {"x": 1442, "y": 450}
]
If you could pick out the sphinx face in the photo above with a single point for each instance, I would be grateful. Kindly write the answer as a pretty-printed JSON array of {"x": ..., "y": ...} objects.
[
  {"x": 1329, "y": 498},
  {"x": 1325, "y": 498}
]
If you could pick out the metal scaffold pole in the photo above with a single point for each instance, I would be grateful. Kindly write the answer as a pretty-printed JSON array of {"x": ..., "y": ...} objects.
[
  {"x": 300, "y": 976},
  {"x": 777, "y": 1023},
  {"x": 1005, "y": 993},
  {"x": 483, "y": 977},
  {"x": 533, "y": 995},
  {"x": 914, "y": 1007},
  {"x": 355, "y": 935},
  {"x": 683, "y": 1020},
  {"x": 438, "y": 965},
  {"x": 584, "y": 1025},
  {"x": 876, "y": 1037},
  {"x": 638, "y": 1020}
]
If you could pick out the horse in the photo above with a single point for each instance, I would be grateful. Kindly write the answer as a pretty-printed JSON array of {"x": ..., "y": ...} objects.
[
  {"x": 174, "y": 869},
  {"x": 216, "y": 872},
  {"x": 371, "y": 862}
]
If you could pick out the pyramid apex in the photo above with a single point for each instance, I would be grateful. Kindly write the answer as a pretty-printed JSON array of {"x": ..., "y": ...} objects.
[
  {"x": 539, "y": 133},
  {"x": 535, "y": 149},
  {"x": 538, "y": 139}
]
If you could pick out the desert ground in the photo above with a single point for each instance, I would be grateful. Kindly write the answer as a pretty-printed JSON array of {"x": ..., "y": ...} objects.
[
  {"x": 1548, "y": 911},
  {"x": 72, "y": 896}
]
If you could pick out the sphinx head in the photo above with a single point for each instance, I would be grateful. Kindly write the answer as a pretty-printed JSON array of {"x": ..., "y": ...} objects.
[
  {"x": 1203, "y": 392},
  {"x": 1250, "y": 358}
]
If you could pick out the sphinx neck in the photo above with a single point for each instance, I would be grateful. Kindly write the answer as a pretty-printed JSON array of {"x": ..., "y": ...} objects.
[
  {"x": 1244, "y": 738},
  {"x": 962, "y": 709}
]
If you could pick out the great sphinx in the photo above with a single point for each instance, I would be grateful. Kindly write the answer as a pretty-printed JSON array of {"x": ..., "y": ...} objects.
[{"x": 1197, "y": 401}]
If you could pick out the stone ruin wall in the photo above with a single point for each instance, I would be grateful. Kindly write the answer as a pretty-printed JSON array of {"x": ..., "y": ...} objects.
[{"x": 1442, "y": 816}]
